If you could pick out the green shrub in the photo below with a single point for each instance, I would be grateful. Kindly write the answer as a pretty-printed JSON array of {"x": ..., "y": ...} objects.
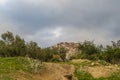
[{"x": 82, "y": 75}]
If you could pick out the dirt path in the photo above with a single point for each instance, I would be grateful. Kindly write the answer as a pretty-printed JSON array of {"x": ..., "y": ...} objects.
[
  {"x": 54, "y": 71},
  {"x": 59, "y": 71}
]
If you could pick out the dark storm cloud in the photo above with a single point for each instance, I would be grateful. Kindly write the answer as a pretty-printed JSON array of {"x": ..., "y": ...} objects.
[
  {"x": 89, "y": 19},
  {"x": 78, "y": 12}
]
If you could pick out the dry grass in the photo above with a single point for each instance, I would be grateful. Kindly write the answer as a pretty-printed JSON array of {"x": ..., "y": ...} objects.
[
  {"x": 96, "y": 69},
  {"x": 54, "y": 71},
  {"x": 101, "y": 71}
]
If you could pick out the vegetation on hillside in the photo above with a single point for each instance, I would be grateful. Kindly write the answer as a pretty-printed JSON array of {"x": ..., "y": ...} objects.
[
  {"x": 14, "y": 46},
  {"x": 91, "y": 51}
]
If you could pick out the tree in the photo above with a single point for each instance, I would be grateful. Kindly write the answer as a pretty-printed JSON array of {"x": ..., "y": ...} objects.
[
  {"x": 33, "y": 50},
  {"x": 7, "y": 37},
  {"x": 19, "y": 46},
  {"x": 112, "y": 53},
  {"x": 6, "y": 42},
  {"x": 62, "y": 53},
  {"x": 2, "y": 47},
  {"x": 89, "y": 50},
  {"x": 88, "y": 47}
]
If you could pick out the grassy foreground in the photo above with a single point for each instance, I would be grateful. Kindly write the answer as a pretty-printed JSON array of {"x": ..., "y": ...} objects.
[
  {"x": 83, "y": 74},
  {"x": 18, "y": 67}
]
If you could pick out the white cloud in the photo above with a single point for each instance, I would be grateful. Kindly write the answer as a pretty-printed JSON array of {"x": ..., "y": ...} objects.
[
  {"x": 3, "y": 2},
  {"x": 57, "y": 32}
]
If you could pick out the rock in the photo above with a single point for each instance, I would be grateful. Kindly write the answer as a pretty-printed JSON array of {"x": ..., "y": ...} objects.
[
  {"x": 70, "y": 47},
  {"x": 69, "y": 76},
  {"x": 92, "y": 64}
]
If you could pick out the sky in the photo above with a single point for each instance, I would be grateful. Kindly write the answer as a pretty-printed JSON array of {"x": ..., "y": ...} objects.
[{"x": 48, "y": 22}]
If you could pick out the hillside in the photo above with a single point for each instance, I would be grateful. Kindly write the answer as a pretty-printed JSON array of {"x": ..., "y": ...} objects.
[
  {"x": 30, "y": 69},
  {"x": 70, "y": 47},
  {"x": 19, "y": 68}
]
